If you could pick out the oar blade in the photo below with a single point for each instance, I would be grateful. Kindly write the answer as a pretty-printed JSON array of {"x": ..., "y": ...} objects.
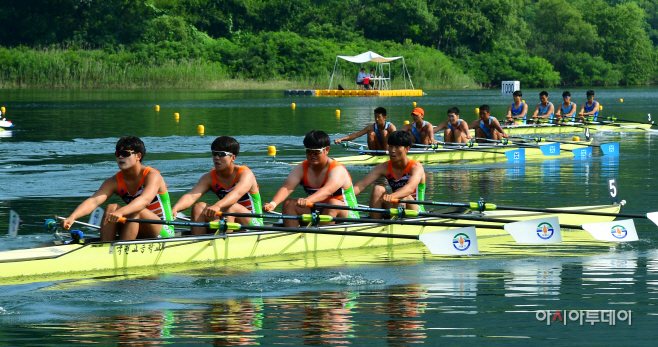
[
  {"x": 615, "y": 231},
  {"x": 97, "y": 216},
  {"x": 552, "y": 149},
  {"x": 516, "y": 155},
  {"x": 653, "y": 216},
  {"x": 611, "y": 149},
  {"x": 582, "y": 153},
  {"x": 536, "y": 231},
  {"x": 14, "y": 222},
  {"x": 461, "y": 241}
]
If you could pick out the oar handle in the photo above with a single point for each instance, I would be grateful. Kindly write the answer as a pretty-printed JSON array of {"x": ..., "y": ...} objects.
[{"x": 257, "y": 215}]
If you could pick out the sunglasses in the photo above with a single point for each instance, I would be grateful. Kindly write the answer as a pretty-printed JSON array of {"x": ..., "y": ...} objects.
[
  {"x": 221, "y": 154},
  {"x": 564, "y": 97},
  {"x": 124, "y": 153},
  {"x": 314, "y": 151}
]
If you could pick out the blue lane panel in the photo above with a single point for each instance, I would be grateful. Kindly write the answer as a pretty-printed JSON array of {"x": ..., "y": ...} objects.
[
  {"x": 611, "y": 148},
  {"x": 550, "y": 150},
  {"x": 516, "y": 155},
  {"x": 582, "y": 152}
]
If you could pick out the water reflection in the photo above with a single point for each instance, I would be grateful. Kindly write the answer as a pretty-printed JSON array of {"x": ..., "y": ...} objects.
[{"x": 534, "y": 279}]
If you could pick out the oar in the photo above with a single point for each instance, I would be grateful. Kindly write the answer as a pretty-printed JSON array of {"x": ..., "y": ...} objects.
[
  {"x": 614, "y": 119},
  {"x": 518, "y": 229},
  {"x": 512, "y": 154},
  {"x": 610, "y": 148},
  {"x": 536, "y": 231},
  {"x": 438, "y": 242},
  {"x": 653, "y": 216},
  {"x": 49, "y": 224}
]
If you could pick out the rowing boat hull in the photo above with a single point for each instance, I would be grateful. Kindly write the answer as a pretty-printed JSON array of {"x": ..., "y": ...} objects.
[
  {"x": 483, "y": 153},
  {"x": 97, "y": 259},
  {"x": 570, "y": 129}
]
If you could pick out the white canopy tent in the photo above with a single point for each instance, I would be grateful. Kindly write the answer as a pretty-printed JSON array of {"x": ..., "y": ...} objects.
[{"x": 384, "y": 77}]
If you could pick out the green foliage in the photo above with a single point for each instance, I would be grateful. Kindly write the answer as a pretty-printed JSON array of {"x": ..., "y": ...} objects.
[
  {"x": 539, "y": 42},
  {"x": 513, "y": 65}
]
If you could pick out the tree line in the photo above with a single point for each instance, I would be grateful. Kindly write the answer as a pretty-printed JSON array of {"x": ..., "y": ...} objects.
[{"x": 539, "y": 42}]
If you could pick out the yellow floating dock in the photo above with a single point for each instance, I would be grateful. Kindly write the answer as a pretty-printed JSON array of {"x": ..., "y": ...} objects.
[{"x": 333, "y": 92}]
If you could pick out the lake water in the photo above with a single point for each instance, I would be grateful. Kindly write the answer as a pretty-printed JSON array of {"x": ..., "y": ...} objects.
[{"x": 61, "y": 149}]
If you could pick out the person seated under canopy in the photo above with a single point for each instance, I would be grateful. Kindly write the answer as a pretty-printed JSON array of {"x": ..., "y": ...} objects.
[{"x": 362, "y": 79}]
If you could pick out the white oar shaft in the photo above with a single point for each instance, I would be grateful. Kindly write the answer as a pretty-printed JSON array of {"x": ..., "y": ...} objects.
[{"x": 81, "y": 223}]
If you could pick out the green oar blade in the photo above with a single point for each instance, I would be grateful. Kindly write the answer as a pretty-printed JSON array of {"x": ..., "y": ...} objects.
[
  {"x": 461, "y": 241},
  {"x": 536, "y": 231},
  {"x": 615, "y": 231}
]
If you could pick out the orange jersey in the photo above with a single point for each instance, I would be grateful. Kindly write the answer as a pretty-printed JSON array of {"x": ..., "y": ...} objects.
[
  {"x": 338, "y": 194},
  {"x": 156, "y": 206},
  {"x": 397, "y": 183},
  {"x": 221, "y": 191}
]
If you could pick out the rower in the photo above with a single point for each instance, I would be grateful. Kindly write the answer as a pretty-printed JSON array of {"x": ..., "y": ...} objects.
[
  {"x": 567, "y": 111},
  {"x": 405, "y": 176},
  {"x": 324, "y": 180},
  {"x": 377, "y": 132},
  {"x": 544, "y": 109},
  {"x": 590, "y": 109},
  {"x": 456, "y": 129},
  {"x": 421, "y": 130},
  {"x": 234, "y": 185},
  {"x": 518, "y": 111},
  {"x": 487, "y": 126},
  {"x": 150, "y": 199}
]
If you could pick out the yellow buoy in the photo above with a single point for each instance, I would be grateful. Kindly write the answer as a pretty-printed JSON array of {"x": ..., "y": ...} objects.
[
  {"x": 477, "y": 110},
  {"x": 337, "y": 113},
  {"x": 201, "y": 129},
  {"x": 3, "y": 109},
  {"x": 576, "y": 138},
  {"x": 293, "y": 105},
  {"x": 271, "y": 151},
  {"x": 523, "y": 101},
  {"x": 621, "y": 100},
  {"x": 176, "y": 116},
  {"x": 406, "y": 122},
  {"x": 414, "y": 104},
  {"x": 157, "y": 108},
  {"x": 600, "y": 107}
]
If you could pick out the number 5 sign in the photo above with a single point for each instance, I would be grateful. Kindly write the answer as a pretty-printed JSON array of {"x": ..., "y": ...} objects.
[{"x": 612, "y": 189}]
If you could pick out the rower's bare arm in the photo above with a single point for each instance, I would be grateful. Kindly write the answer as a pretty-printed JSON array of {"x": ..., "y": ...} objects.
[
  {"x": 201, "y": 187},
  {"x": 534, "y": 114},
  {"x": 509, "y": 112},
  {"x": 378, "y": 171},
  {"x": 336, "y": 179},
  {"x": 496, "y": 125},
  {"x": 246, "y": 180},
  {"x": 391, "y": 128},
  {"x": 417, "y": 173},
  {"x": 291, "y": 182},
  {"x": 351, "y": 137},
  {"x": 88, "y": 206},
  {"x": 440, "y": 127},
  {"x": 524, "y": 112},
  {"x": 465, "y": 130},
  {"x": 582, "y": 109},
  {"x": 474, "y": 124}
]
